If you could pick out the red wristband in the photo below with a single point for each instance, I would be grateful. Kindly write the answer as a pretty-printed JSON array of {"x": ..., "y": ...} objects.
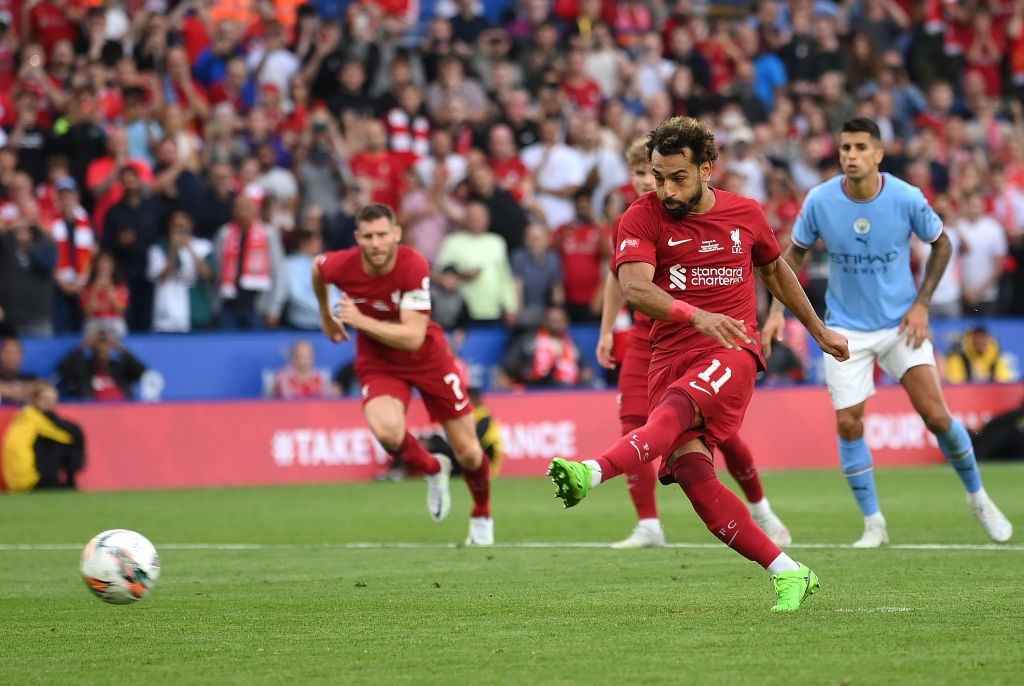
[{"x": 681, "y": 311}]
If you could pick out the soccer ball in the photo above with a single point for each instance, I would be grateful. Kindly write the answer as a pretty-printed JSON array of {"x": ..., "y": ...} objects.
[{"x": 120, "y": 566}]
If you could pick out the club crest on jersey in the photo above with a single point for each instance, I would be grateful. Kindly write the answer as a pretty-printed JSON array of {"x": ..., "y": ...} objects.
[
  {"x": 737, "y": 246},
  {"x": 861, "y": 226}
]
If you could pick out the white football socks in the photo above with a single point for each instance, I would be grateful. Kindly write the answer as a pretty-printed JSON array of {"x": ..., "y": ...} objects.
[
  {"x": 595, "y": 474},
  {"x": 783, "y": 563}
]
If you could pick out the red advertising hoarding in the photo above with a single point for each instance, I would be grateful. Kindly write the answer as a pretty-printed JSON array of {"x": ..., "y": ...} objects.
[{"x": 270, "y": 442}]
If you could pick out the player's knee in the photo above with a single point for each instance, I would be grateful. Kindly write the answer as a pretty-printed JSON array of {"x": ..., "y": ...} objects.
[
  {"x": 937, "y": 419},
  {"x": 390, "y": 434},
  {"x": 468, "y": 453},
  {"x": 693, "y": 469},
  {"x": 850, "y": 427}
]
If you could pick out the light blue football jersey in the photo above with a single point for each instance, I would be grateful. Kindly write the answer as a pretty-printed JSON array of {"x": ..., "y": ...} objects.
[{"x": 870, "y": 286}]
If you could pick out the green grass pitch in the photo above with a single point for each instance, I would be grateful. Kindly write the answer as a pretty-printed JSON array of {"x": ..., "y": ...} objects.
[{"x": 302, "y": 606}]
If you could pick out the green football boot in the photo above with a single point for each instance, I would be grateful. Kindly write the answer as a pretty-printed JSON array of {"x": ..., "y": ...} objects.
[
  {"x": 571, "y": 479},
  {"x": 794, "y": 588}
]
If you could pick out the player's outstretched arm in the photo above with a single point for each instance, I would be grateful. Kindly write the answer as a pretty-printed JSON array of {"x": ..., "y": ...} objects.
[
  {"x": 779, "y": 278},
  {"x": 332, "y": 328},
  {"x": 408, "y": 333},
  {"x": 610, "y": 308},
  {"x": 775, "y": 324},
  {"x": 636, "y": 279},
  {"x": 915, "y": 321}
]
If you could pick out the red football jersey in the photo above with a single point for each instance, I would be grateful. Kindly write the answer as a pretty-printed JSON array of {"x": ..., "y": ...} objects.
[
  {"x": 407, "y": 286},
  {"x": 707, "y": 260}
]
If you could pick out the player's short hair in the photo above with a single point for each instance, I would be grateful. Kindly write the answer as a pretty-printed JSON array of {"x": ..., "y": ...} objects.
[
  {"x": 375, "y": 211},
  {"x": 636, "y": 153},
  {"x": 674, "y": 135},
  {"x": 862, "y": 125}
]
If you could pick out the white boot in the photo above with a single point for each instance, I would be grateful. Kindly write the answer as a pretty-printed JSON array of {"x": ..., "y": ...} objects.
[
  {"x": 997, "y": 526},
  {"x": 647, "y": 534},
  {"x": 875, "y": 533},
  {"x": 439, "y": 498}
]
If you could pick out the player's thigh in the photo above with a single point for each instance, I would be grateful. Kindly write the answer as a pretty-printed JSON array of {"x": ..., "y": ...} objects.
[
  {"x": 897, "y": 356},
  {"x": 925, "y": 392},
  {"x": 461, "y": 435},
  {"x": 384, "y": 410},
  {"x": 720, "y": 383},
  {"x": 442, "y": 388},
  {"x": 853, "y": 381}
]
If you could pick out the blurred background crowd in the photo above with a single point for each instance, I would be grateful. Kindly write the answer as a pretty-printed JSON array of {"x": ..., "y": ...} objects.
[{"x": 150, "y": 149}]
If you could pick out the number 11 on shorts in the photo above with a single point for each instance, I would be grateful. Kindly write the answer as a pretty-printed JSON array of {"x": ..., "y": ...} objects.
[{"x": 706, "y": 375}]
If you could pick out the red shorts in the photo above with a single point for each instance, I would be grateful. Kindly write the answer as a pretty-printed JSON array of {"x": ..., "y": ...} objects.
[
  {"x": 720, "y": 382},
  {"x": 438, "y": 380},
  {"x": 633, "y": 379}
]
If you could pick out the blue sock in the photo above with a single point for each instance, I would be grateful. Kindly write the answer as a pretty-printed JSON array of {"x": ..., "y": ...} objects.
[
  {"x": 855, "y": 459},
  {"x": 956, "y": 446}
]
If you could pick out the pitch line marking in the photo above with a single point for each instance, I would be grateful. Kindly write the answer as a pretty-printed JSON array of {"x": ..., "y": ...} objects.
[{"x": 10, "y": 547}]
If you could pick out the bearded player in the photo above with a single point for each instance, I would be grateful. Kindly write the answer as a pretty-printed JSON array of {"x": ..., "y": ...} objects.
[
  {"x": 686, "y": 258},
  {"x": 386, "y": 298},
  {"x": 633, "y": 403}
]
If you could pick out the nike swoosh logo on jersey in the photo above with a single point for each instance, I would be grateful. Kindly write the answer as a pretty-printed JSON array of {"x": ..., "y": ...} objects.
[
  {"x": 693, "y": 385},
  {"x": 681, "y": 240},
  {"x": 459, "y": 407}
]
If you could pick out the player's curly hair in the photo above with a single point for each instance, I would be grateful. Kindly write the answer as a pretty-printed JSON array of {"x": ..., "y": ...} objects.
[
  {"x": 677, "y": 133},
  {"x": 636, "y": 153}
]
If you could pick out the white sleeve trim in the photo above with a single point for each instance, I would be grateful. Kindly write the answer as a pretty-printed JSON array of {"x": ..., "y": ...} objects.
[
  {"x": 941, "y": 231},
  {"x": 415, "y": 300}
]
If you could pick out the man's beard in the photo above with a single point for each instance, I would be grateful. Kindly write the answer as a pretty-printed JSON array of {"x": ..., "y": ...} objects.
[{"x": 682, "y": 209}]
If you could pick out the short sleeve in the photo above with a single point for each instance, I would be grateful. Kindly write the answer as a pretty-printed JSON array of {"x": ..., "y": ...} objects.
[
  {"x": 414, "y": 284},
  {"x": 636, "y": 239},
  {"x": 330, "y": 264},
  {"x": 924, "y": 221},
  {"x": 805, "y": 230},
  {"x": 765, "y": 249}
]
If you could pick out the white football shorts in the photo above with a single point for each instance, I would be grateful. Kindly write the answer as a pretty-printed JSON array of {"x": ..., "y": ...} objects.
[{"x": 852, "y": 382}]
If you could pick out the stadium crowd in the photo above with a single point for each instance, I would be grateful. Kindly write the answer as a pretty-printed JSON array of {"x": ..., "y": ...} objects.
[{"x": 172, "y": 166}]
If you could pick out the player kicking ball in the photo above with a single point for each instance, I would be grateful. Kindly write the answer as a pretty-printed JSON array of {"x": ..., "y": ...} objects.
[
  {"x": 643, "y": 476},
  {"x": 386, "y": 298},
  {"x": 865, "y": 219},
  {"x": 686, "y": 258}
]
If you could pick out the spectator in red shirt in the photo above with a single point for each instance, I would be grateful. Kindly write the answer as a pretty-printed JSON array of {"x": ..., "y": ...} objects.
[
  {"x": 73, "y": 235},
  {"x": 105, "y": 297},
  {"x": 299, "y": 378},
  {"x": 103, "y": 175},
  {"x": 509, "y": 170},
  {"x": 50, "y": 21},
  {"x": 379, "y": 167},
  {"x": 581, "y": 90},
  {"x": 583, "y": 246}
]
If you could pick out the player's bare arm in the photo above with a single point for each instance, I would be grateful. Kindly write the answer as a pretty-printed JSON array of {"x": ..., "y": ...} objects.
[
  {"x": 915, "y": 321},
  {"x": 775, "y": 322},
  {"x": 780, "y": 279},
  {"x": 329, "y": 324},
  {"x": 611, "y": 306},
  {"x": 406, "y": 334},
  {"x": 640, "y": 293}
]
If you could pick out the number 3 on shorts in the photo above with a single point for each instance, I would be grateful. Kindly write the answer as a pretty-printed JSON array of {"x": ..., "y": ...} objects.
[
  {"x": 705, "y": 376},
  {"x": 455, "y": 382}
]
